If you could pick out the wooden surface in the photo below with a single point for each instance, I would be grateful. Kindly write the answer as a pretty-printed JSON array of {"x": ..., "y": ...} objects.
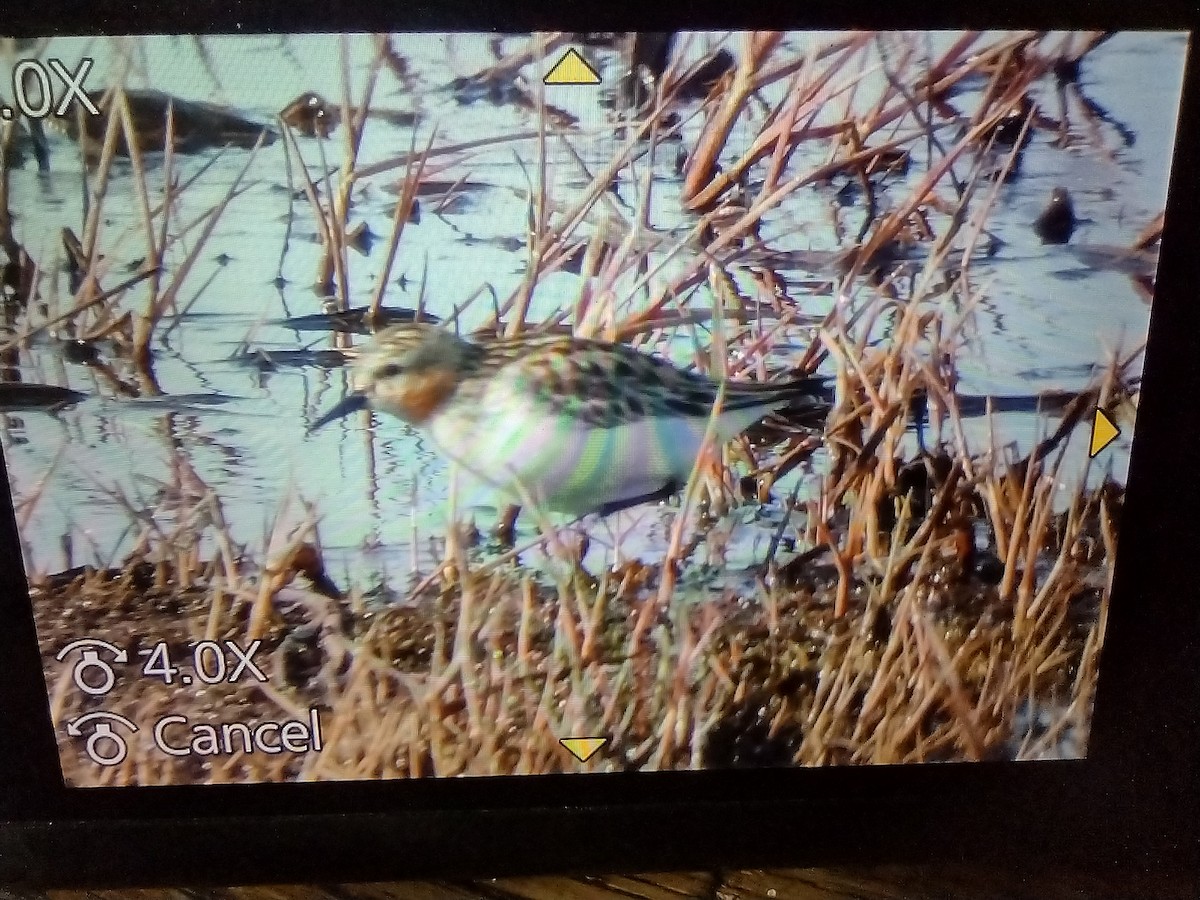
[{"x": 878, "y": 883}]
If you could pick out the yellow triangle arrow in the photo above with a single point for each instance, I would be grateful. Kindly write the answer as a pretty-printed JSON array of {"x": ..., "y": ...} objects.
[
  {"x": 583, "y": 749},
  {"x": 1104, "y": 432},
  {"x": 572, "y": 69}
]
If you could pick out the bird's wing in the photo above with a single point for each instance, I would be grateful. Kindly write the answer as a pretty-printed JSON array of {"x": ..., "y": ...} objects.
[
  {"x": 605, "y": 385},
  {"x": 612, "y": 384}
]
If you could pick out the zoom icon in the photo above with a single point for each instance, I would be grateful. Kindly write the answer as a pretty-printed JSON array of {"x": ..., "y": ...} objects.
[
  {"x": 105, "y": 745},
  {"x": 93, "y": 674}
]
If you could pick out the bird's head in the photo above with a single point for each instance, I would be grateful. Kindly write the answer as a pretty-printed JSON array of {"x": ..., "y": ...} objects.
[{"x": 409, "y": 370}]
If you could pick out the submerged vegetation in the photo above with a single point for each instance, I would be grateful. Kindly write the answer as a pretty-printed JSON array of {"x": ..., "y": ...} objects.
[{"x": 916, "y": 593}]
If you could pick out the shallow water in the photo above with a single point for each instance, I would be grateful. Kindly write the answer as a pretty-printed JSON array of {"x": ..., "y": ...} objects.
[{"x": 1044, "y": 320}]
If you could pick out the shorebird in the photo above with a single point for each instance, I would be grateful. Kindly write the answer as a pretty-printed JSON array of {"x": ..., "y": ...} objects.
[{"x": 576, "y": 426}]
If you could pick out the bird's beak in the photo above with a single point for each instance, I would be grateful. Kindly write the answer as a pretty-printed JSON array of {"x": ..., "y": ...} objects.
[{"x": 352, "y": 402}]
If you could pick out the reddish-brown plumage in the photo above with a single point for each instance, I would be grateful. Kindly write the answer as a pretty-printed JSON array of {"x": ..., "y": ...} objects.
[{"x": 423, "y": 393}]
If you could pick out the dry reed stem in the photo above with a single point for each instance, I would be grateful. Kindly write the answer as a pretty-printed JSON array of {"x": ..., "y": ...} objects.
[{"x": 404, "y": 206}]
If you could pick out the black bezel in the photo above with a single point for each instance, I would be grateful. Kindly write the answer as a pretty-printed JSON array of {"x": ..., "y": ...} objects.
[{"x": 1133, "y": 799}]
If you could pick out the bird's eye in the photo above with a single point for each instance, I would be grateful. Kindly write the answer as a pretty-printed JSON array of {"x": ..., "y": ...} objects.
[{"x": 391, "y": 370}]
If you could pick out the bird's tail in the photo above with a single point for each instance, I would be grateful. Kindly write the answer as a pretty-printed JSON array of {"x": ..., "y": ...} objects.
[{"x": 800, "y": 392}]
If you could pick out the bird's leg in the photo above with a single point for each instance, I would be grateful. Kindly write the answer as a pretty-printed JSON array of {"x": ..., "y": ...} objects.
[
  {"x": 582, "y": 544},
  {"x": 919, "y": 410},
  {"x": 506, "y": 528}
]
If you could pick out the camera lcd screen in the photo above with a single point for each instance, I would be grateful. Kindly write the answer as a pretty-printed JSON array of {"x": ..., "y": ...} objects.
[{"x": 438, "y": 405}]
